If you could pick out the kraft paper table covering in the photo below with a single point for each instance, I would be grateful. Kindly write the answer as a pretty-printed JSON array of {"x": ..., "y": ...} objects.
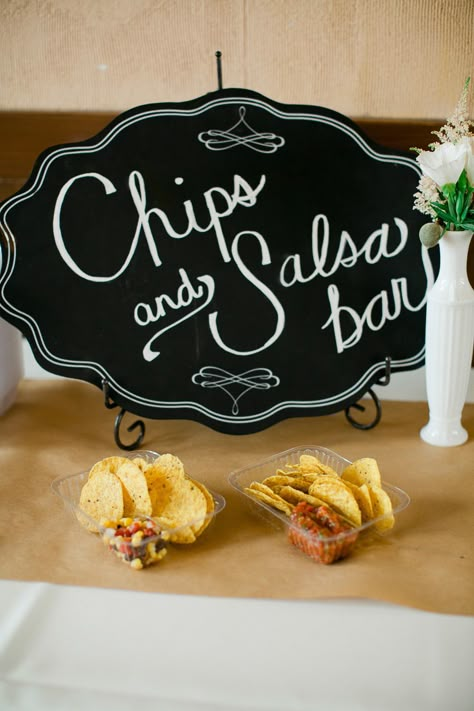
[{"x": 58, "y": 427}]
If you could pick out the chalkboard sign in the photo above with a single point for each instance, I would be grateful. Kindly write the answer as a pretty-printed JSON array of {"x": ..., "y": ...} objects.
[{"x": 230, "y": 260}]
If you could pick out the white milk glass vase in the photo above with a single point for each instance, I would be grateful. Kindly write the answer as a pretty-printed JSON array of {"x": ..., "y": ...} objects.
[
  {"x": 11, "y": 364},
  {"x": 449, "y": 342}
]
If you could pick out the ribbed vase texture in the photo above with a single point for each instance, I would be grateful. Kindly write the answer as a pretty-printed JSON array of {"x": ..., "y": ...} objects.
[{"x": 449, "y": 343}]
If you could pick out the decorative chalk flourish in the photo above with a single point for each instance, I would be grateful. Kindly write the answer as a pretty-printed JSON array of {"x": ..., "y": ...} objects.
[
  {"x": 241, "y": 134},
  {"x": 255, "y": 379}
]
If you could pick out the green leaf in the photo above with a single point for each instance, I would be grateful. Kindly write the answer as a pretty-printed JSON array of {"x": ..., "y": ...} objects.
[
  {"x": 441, "y": 212},
  {"x": 451, "y": 205},
  {"x": 459, "y": 205},
  {"x": 462, "y": 181},
  {"x": 448, "y": 190},
  {"x": 468, "y": 226},
  {"x": 467, "y": 205}
]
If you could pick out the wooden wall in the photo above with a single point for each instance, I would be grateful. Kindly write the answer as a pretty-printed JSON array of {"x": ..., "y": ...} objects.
[{"x": 365, "y": 58}]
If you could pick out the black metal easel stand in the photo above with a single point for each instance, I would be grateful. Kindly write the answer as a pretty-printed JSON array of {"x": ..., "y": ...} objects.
[
  {"x": 110, "y": 404},
  {"x": 384, "y": 380}
]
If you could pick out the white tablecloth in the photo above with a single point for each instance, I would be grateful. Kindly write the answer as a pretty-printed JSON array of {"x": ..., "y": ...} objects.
[{"x": 83, "y": 648}]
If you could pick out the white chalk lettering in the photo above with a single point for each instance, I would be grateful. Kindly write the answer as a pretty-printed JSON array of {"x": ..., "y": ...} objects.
[
  {"x": 58, "y": 237},
  {"x": 326, "y": 257},
  {"x": 375, "y": 247},
  {"x": 384, "y": 306},
  {"x": 186, "y": 294},
  {"x": 261, "y": 287},
  {"x": 243, "y": 194},
  {"x": 145, "y": 314}
]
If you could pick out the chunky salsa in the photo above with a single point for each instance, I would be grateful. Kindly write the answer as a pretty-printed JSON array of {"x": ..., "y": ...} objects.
[{"x": 320, "y": 532}]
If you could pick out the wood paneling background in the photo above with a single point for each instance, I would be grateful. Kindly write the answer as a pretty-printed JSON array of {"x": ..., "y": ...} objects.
[{"x": 370, "y": 58}]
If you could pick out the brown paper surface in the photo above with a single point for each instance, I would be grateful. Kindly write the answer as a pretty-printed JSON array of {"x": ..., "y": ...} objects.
[{"x": 58, "y": 427}]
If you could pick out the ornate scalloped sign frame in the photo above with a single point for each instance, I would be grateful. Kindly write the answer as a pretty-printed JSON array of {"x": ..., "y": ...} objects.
[{"x": 230, "y": 260}]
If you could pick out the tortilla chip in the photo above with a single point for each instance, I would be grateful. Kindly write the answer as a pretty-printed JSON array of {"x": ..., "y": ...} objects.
[
  {"x": 278, "y": 480},
  {"x": 109, "y": 464},
  {"x": 136, "y": 498},
  {"x": 263, "y": 488},
  {"x": 182, "y": 535},
  {"x": 294, "y": 496},
  {"x": 362, "y": 496},
  {"x": 301, "y": 482},
  {"x": 382, "y": 506},
  {"x": 363, "y": 471},
  {"x": 272, "y": 500},
  {"x": 166, "y": 465},
  {"x": 324, "y": 478},
  {"x": 101, "y": 498},
  {"x": 210, "y": 506},
  {"x": 334, "y": 493},
  {"x": 140, "y": 462},
  {"x": 179, "y": 503},
  {"x": 308, "y": 460}
]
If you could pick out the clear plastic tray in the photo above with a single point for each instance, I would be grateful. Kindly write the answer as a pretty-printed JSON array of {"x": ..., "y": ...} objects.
[
  {"x": 69, "y": 488},
  {"x": 242, "y": 478}
]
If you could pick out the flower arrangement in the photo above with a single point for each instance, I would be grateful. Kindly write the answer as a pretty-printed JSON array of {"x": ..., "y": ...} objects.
[{"x": 446, "y": 187}]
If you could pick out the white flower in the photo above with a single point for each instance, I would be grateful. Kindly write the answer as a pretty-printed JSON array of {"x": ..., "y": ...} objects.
[
  {"x": 446, "y": 163},
  {"x": 426, "y": 194},
  {"x": 458, "y": 125},
  {"x": 470, "y": 160}
]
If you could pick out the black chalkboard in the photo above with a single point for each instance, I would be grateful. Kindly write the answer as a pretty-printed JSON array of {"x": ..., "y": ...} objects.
[{"x": 230, "y": 259}]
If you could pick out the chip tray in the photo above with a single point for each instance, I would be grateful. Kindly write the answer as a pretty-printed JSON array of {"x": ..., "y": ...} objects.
[
  {"x": 242, "y": 478},
  {"x": 69, "y": 488}
]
